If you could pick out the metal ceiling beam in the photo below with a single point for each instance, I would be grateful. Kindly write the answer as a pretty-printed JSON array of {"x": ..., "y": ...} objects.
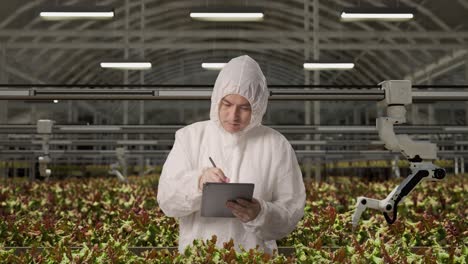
[
  {"x": 442, "y": 65},
  {"x": 179, "y": 12},
  {"x": 170, "y": 69},
  {"x": 171, "y": 39},
  {"x": 170, "y": 34},
  {"x": 286, "y": 129},
  {"x": 179, "y": 8},
  {"x": 157, "y": 15},
  {"x": 370, "y": 154},
  {"x": 422, "y": 10},
  {"x": 117, "y": 142},
  {"x": 463, "y": 3},
  {"x": 177, "y": 5},
  {"x": 28, "y": 77},
  {"x": 93, "y": 45},
  {"x": 379, "y": 39},
  {"x": 155, "y": 94},
  {"x": 203, "y": 94},
  {"x": 234, "y": 33}
]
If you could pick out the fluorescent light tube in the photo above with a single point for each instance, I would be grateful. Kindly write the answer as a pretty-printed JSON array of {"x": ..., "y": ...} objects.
[
  {"x": 317, "y": 66},
  {"x": 76, "y": 15},
  {"x": 233, "y": 17},
  {"x": 126, "y": 65},
  {"x": 227, "y": 13},
  {"x": 386, "y": 14},
  {"x": 77, "y": 12},
  {"x": 371, "y": 16},
  {"x": 213, "y": 65}
]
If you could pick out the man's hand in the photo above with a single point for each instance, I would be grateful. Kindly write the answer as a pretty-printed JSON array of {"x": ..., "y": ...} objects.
[
  {"x": 211, "y": 175},
  {"x": 244, "y": 210}
]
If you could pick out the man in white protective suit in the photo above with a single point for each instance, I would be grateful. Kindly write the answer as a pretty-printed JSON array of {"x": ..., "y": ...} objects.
[{"x": 244, "y": 151}]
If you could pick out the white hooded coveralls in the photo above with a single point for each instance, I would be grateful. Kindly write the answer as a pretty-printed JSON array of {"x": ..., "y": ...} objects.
[{"x": 257, "y": 154}]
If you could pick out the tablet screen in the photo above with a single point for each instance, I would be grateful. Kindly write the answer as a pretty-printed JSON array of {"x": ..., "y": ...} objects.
[{"x": 216, "y": 194}]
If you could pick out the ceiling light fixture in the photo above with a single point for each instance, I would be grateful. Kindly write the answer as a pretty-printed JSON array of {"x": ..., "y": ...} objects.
[
  {"x": 318, "y": 66},
  {"x": 77, "y": 12},
  {"x": 227, "y": 14},
  {"x": 385, "y": 14},
  {"x": 126, "y": 65},
  {"x": 213, "y": 65}
]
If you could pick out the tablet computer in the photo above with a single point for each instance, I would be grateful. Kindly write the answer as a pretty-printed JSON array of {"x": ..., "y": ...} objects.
[{"x": 216, "y": 194}]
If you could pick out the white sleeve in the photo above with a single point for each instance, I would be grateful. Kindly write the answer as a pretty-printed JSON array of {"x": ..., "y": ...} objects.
[
  {"x": 178, "y": 193},
  {"x": 279, "y": 217}
]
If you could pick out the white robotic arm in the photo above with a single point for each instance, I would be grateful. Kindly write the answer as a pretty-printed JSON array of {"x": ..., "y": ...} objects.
[
  {"x": 420, "y": 154},
  {"x": 424, "y": 171}
]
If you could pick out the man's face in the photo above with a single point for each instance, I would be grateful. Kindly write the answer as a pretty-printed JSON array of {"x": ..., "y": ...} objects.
[{"x": 234, "y": 113}]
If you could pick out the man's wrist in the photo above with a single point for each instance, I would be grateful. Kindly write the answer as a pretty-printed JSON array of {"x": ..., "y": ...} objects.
[{"x": 200, "y": 182}]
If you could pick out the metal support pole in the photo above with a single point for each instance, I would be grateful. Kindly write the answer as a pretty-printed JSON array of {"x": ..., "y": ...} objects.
[
  {"x": 125, "y": 77},
  {"x": 142, "y": 81},
  {"x": 3, "y": 104},
  {"x": 307, "y": 105},
  {"x": 126, "y": 55},
  {"x": 466, "y": 81},
  {"x": 366, "y": 118},
  {"x": 15, "y": 169},
  {"x": 3, "y": 79},
  {"x": 70, "y": 120},
  {"x": 453, "y": 116},
  {"x": 462, "y": 165},
  {"x": 431, "y": 114},
  {"x": 32, "y": 168},
  {"x": 430, "y": 107},
  {"x": 96, "y": 121},
  {"x": 316, "y": 82},
  {"x": 415, "y": 115},
  {"x": 357, "y": 116}
]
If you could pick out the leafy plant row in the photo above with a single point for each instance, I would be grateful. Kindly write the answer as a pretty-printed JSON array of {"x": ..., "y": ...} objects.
[{"x": 103, "y": 218}]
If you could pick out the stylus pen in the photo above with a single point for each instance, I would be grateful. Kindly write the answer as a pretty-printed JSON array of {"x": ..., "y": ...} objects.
[
  {"x": 212, "y": 162},
  {"x": 214, "y": 165}
]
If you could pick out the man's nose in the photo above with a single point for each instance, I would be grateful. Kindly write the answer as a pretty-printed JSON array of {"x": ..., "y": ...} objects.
[{"x": 235, "y": 112}]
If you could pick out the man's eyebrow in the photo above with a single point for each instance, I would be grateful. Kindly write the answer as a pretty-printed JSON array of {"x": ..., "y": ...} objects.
[{"x": 225, "y": 100}]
